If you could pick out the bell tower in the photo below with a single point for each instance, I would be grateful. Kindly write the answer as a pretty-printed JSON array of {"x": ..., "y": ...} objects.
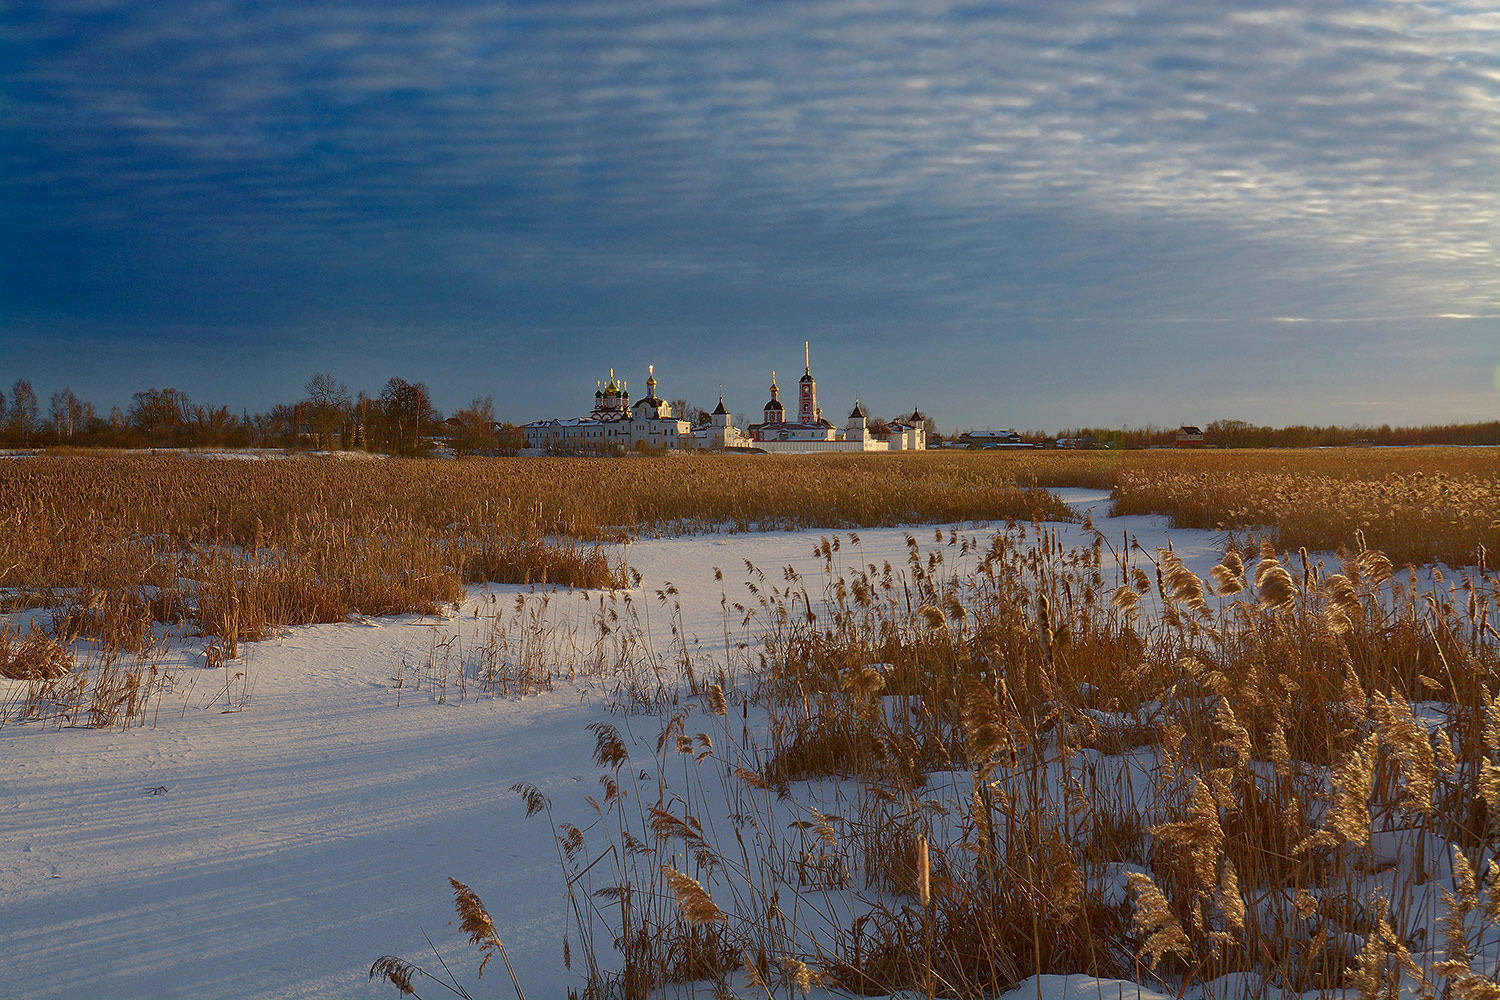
[{"x": 807, "y": 390}]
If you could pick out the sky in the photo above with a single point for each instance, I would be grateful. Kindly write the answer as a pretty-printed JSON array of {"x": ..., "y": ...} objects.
[{"x": 1029, "y": 214}]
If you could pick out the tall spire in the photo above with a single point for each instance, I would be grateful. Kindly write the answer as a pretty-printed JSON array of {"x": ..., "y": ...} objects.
[{"x": 807, "y": 390}]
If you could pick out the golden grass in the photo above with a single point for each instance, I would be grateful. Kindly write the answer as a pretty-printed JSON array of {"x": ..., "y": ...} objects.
[
  {"x": 34, "y": 656},
  {"x": 243, "y": 546},
  {"x": 1203, "y": 781},
  {"x": 120, "y": 545},
  {"x": 1058, "y": 759},
  {"x": 1417, "y": 505}
]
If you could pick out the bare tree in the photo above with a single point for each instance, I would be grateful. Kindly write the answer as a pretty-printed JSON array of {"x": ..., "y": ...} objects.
[
  {"x": 474, "y": 427},
  {"x": 23, "y": 411},
  {"x": 368, "y": 422},
  {"x": 161, "y": 414},
  {"x": 509, "y": 438},
  {"x": 683, "y": 410},
  {"x": 280, "y": 425},
  {"x": 407, "y": 408},
  {"x": 216, "y": 425},
  {"x": 327, "y": 406},
  {"x": 67, "y": 413}
]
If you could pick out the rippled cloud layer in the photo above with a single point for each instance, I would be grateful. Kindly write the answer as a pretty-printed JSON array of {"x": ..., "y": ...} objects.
[{"x": 1145, "y": 191}]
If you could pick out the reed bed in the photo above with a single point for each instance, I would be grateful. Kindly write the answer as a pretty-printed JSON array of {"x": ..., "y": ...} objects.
[
  {"x": 122, "y": 547},
  {"x": 1011, "y": 756},
  {"x": 242, "y": 546},
  {"x": 1006, "y": 756},
  {"x": 1417, "y": 505}
]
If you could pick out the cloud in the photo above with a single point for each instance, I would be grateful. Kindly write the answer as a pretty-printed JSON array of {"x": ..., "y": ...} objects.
[{"x": 987, "y": 169}]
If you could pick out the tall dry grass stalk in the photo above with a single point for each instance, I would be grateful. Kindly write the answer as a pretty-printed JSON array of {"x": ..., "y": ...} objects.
[
  {"x": 476, "y": 922},
  {"x": 1035, "y": 775}
]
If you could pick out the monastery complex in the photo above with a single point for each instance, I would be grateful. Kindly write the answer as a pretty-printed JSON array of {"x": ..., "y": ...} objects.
[{"x": 616, "y": 424}]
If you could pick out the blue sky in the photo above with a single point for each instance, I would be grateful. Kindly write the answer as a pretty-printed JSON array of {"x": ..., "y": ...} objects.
[{"x": 1015, "y": 214}]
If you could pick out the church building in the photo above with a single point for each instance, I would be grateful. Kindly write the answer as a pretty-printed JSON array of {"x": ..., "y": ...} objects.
[
  {"x": 812, "y": 432},
  {"x": 615, "y": 425}
]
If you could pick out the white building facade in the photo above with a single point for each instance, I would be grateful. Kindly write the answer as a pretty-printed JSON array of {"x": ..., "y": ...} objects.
[
  {"x": 616, "y": 425},
  {"x": 812, "y": 433}
]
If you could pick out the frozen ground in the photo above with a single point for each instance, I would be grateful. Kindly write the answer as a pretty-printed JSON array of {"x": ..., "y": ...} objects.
[{"x": 277, "y": 850}]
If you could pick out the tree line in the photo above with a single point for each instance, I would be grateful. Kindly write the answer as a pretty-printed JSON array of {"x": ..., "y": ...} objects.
[
  {"x": 400, "y": 420},
  {"x": 1242, "y": 434}
]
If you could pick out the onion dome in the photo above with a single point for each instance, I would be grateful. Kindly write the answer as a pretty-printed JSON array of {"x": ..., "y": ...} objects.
[{"x": 775, "y": 404}]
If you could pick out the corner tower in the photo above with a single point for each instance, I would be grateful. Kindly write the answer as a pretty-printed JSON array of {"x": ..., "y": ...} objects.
[
  {"x": 857, "y": 429},
  {"x": 807, "y": 390}
]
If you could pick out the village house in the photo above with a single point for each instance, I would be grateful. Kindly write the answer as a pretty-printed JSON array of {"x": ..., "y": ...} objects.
[
  {"x": 992, "y": 439},
  {"x": 1189, "y": 436}
]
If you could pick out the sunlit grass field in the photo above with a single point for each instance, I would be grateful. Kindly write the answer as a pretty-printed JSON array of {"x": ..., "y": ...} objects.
[
  {"x": 306, "y": 540},
  {"x": 1047, "y": 756}
]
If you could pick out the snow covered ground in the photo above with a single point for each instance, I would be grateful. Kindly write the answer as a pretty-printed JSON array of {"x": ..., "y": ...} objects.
[{"x": 277, "y": 850}]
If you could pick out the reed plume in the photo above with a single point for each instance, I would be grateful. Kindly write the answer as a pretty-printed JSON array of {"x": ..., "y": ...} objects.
[
  {"x": 1155, "y": 925},
  {"x": 694, "y": 902},
  {"x": 1277, "y": 591},
  {"x": 396, "y": 972},
  {"x": 475, "y": 921}
]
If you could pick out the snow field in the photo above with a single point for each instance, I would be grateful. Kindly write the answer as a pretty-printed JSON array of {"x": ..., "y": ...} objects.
[{"x": 277, "y": 850}]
